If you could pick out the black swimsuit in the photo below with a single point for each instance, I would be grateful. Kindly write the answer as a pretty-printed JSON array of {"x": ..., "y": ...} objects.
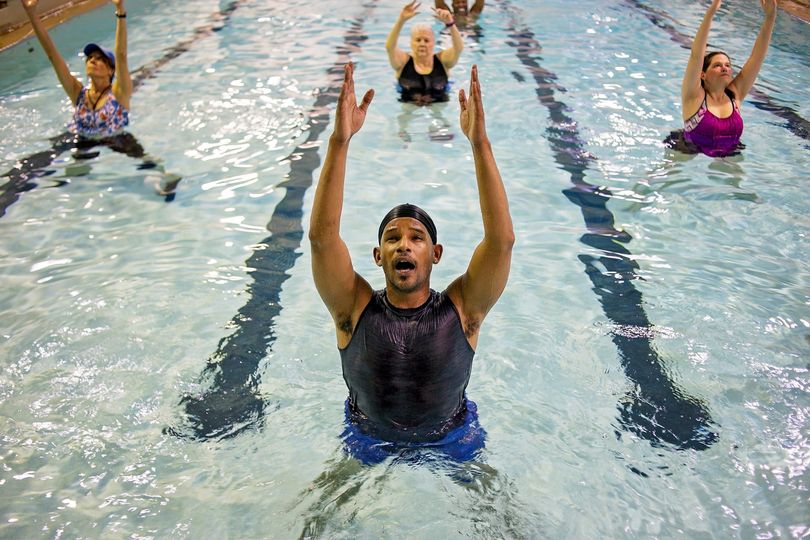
[
  {"x": 407, "y": 369},
  {"x": 415, "y": 87}
]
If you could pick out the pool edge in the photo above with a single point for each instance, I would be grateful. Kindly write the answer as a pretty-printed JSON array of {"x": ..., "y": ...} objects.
[{"x": 20, "y": 31}]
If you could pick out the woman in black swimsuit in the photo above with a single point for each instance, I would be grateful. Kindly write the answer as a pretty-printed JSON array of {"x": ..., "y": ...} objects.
[{"x": 423, "y": 75}]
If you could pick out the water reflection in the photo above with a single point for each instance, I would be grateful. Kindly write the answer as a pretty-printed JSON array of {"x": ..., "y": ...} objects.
[
  {"x": 726, "y": 176},
  {"x": 439, "y": 128},
  {"x": 31, "y": 169},
  {"x": 231, "y": 402},
  {"x": 655, "y": 409},
  {"x": 482, "y": 497}
]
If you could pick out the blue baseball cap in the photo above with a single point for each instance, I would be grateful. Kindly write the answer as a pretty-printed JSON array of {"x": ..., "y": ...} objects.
[{"x": 90, "y": 48}]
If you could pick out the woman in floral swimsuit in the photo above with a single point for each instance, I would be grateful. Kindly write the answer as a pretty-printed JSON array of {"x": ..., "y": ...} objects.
[{"x": 101, "y": 108}]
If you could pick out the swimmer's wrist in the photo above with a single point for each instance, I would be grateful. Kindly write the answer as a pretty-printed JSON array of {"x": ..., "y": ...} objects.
[
  {"x": 336, "y": 140},
  {"x": 121, "y": 15},
  {"x": 451, "y": 23},
  {"x": 482, "y": 144}
]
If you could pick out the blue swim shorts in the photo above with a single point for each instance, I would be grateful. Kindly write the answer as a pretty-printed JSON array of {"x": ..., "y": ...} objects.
[{"x": 460, "y": 444}]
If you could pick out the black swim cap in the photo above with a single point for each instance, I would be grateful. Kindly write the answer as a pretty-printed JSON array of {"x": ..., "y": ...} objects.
[{"x": 409, "y": 211}]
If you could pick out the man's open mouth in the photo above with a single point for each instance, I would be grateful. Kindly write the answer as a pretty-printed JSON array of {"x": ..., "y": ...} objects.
[{"x": 404, "y": 266}]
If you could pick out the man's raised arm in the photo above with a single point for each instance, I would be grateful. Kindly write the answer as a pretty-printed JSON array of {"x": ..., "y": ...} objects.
[
  {"x": 337, "y": 283},
  {"x": 475, "y": 292}
]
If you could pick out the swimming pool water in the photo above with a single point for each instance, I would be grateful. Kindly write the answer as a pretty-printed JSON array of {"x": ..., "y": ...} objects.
[{"x": 645, "y": 373}]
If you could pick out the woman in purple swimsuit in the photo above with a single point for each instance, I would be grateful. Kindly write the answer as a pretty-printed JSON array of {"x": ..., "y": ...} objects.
[{"x": 710, "y": 92}]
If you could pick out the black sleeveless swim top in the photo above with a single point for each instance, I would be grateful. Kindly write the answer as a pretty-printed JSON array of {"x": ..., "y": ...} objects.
[
  {"x": 415, "y": 87},
  {"x": 407, "y": 369}
]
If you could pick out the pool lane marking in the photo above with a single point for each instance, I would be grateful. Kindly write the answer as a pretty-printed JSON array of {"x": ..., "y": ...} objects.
[
  {"x": 218, "y": 20},
  {"x": 656, "y": 409},
  {"x": 231, "y": 402},
  {"x": 31, "y": 167},
  {"x": 796, "y": 124}
]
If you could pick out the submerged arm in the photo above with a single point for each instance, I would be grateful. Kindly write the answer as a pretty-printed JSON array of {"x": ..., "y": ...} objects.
[{"x": 70, "y": 84}]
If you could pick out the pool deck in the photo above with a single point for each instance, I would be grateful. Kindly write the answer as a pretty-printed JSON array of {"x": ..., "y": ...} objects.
[
  {"x": 15, "y": 26},
  {"x": 797, "y": 8}
]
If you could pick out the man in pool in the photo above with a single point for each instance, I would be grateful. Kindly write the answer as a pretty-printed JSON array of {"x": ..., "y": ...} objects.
[
  {"x": 407, "y": 350},
  {"x": 461, "y": 8}
]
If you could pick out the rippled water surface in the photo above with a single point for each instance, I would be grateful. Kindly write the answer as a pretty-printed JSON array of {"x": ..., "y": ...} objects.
[{"x": 167, "y": 369}]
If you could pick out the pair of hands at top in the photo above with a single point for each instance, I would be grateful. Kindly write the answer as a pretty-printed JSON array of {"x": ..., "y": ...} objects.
[
  {"x": 768, "y": 6},
  {"x": 410, "y": 11},
  {"x": 349, "y": 117},
  {"x": 31, "y": 4}
]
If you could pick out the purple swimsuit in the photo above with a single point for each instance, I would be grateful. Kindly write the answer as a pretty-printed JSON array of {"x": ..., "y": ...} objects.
[{"x": 714, "y": 136}]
